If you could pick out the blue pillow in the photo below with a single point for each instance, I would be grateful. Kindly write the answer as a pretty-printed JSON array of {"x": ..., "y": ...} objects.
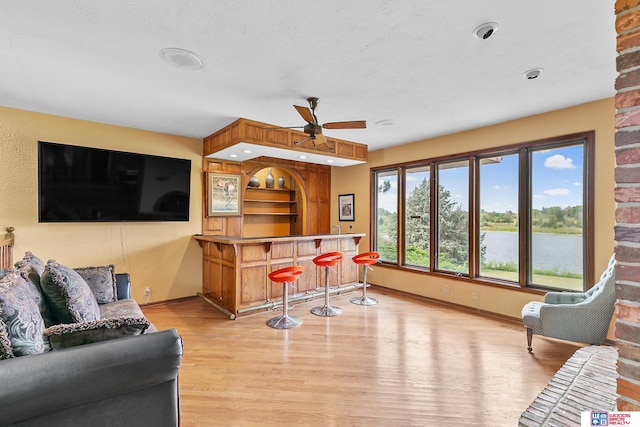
[
  {"x": 20, "y": 320},
  {"x": 70, "y": 298}
]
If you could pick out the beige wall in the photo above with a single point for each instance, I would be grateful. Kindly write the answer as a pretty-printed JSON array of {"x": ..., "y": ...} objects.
[
  {"x": 598, "y": 116},
  {"x": 159, "y": 255},
  {"x": 164, "y": 257}
]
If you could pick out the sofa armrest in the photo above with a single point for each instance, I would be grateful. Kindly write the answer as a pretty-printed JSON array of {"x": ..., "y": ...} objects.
[
  {"x": 123, "y": 283},
  {"x": 69, "y": 385}
]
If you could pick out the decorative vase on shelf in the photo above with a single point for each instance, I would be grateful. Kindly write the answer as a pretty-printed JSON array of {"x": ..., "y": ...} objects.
[
  {"x": 253, "y": 182},
  {"x": 268, "y": 182},
  {"x": 281, "y": 183}
]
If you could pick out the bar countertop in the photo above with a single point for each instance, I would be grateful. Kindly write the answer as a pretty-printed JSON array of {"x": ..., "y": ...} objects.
[{"x": 233, "y": 240}]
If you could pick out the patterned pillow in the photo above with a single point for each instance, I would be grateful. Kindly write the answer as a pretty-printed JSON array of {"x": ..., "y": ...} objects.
[
  {"x": 30, "y": 260},
  {"x": 31, "y": 268},
  {"x": 70, "y": 335},
  {"x": 70, "y": 298},
  {"x": 5, "y": 342},
  {"x": 101, "y": 281},
  {"x": 38, "y": 295},
  {"x": 20, "y": 318}
]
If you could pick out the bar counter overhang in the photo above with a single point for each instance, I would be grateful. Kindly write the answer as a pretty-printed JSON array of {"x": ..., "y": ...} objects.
[{"x": 235, "y": 269}]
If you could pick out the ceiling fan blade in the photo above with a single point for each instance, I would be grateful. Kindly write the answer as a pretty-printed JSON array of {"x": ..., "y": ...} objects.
[
  {"x": 356, "y": 124},
  {"x": 306, "y": 114}
]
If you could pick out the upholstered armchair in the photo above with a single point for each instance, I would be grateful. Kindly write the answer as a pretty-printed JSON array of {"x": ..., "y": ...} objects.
[{"x": 573, "y": 316}]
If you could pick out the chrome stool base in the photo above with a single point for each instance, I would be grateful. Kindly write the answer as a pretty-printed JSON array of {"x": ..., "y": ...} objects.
[
  {"x": 365, "y": 259},
  {"x": 284, "y": 322},
  {"x": 364, "y": 300},
  {"x": 326, "y": 311},
  {"x": 327, "y": 260}
]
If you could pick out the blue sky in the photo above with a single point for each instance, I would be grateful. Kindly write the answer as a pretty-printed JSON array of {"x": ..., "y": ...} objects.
[{"x": 557, "y": 181}]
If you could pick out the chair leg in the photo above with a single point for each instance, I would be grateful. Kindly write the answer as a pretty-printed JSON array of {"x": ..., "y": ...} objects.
[{"x": 529, "y": 339}]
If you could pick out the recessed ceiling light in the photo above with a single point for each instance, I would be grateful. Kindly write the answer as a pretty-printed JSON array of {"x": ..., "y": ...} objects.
[
  {"x": 329, "y": 161},
  {"x": 485, "y": 30},
  {"x": 385, "y": 122},
  {"x": 534, "y": 73},
  {"x": 233, "y": 155},
  {"x": 302, "y": 157},
  {"x": 181, "y": 58},
  {"x": 246, "y": 151}
]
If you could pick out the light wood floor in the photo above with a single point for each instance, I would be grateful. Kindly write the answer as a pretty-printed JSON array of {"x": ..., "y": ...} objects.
[{"x": 403, "y": 362}]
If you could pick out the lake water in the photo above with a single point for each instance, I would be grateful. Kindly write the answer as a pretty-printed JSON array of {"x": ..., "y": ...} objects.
[{"x": 550, "y": 251}]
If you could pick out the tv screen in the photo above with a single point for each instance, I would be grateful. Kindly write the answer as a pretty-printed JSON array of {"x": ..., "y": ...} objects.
[{"x": 80, "y": 184}]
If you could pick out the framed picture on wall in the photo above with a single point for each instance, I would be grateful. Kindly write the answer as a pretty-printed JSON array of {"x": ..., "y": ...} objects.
[
  {"x": 223, "y": 194},
  {"x": 346, "y": 207}
]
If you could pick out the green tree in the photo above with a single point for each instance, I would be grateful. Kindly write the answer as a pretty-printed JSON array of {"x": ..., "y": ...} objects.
[
  {"x": 453, "y": 227},
  {"x": 417, "y": 224},
  {"x": 387, "y": 229}
]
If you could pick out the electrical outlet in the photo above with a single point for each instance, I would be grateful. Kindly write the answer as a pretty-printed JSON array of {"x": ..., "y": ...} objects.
[
  {"x": 446, "y": 289},
  {"x": 474, "y": 295},
  {"x": 147, "y": 292}
]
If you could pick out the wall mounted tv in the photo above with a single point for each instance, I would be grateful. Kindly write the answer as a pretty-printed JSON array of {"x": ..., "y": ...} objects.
[{"x": 82, "y": 184}]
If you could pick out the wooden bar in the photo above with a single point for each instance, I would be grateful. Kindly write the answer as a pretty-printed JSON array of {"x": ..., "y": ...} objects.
[{"x": 235, "y": 269}]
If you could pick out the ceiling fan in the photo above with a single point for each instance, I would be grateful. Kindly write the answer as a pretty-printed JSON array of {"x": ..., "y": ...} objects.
[{"x": 314, "y": 129}]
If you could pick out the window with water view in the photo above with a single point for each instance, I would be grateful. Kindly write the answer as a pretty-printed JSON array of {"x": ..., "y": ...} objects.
[{"x": 527, "y": 226}]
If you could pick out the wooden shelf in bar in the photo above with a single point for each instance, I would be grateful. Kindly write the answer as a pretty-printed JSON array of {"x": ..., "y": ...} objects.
[
  {"x": 262, "y": 207},
  {"x": 244, "y": 130}
]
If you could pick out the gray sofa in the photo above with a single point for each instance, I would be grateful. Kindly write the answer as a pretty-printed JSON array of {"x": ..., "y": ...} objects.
[{"x": 71, "y": 357}]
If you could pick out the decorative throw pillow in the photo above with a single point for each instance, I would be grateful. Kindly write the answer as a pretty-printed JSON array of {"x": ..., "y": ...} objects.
[
  {"x": 31, "y": 267},
  {"x": 5, "y": 342},
  {"x": 70, "y": 335},
  {"x": 30, "y": 260},
  {"x": 38, "y": 295},
  {"x": 20, "y": 318},
  {"x": 70, "y": 298},
  {"x": 101, "y": 281}
]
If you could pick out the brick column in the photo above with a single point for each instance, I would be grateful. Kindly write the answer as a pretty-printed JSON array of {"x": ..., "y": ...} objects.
[{"x": 627, "y": 197}]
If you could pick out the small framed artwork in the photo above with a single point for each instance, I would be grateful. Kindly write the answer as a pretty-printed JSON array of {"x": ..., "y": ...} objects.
[
  {"x": 346, "y": 207},
  {"x": 223, "y": 194}
]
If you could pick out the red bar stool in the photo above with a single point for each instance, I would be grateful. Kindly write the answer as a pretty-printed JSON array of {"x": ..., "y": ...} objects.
[
  {"x": 366, "y": 259},
  {"x": 327, "y": 260},
  {"x": 285, "y": 276}
]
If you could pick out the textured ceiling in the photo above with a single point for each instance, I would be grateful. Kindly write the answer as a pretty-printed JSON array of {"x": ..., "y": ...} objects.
[{"x": 415, "y": 62}]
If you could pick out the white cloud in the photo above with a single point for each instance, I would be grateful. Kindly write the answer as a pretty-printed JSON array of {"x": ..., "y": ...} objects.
[
  {"x": 558, "y": 161},
  {"x": 557, "y": 192},
  {"x": 577, "y": 184}
]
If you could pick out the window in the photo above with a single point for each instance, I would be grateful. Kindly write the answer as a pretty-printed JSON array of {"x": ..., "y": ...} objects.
[
  {"x": 499, "y": 240},
  {"x": 556, "y": 225},
  {"x": 386, "y": 208},
  {"x": 417, "y": 216},
  {"x": 514, "y": 215},
  {"x": 453, "y": 216}
]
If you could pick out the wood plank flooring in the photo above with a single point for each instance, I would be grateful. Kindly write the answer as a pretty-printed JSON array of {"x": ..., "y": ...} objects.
[{"x": 403, "y": 362}]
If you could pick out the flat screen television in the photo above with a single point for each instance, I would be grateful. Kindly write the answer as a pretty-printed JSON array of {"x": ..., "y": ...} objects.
[{"x": 83, "y": 184}]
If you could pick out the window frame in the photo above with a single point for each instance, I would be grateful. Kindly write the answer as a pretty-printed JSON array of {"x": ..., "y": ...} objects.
[{"x": 523, "y": 149}]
